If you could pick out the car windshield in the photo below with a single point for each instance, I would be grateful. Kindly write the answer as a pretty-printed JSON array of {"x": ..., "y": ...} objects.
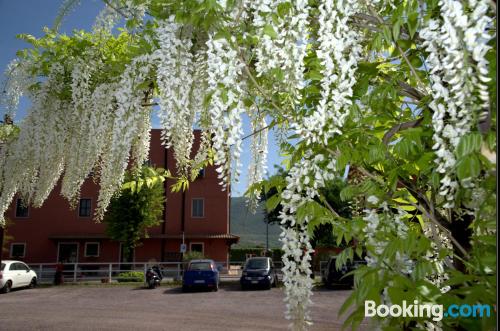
[
  {"x": 200, "y": 266},
  {"x": 2, "y": 266},
  {"x": 257, "y": 264}
]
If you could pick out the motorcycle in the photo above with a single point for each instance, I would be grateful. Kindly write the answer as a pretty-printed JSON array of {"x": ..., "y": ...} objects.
[{"x": 153, "y": 277}]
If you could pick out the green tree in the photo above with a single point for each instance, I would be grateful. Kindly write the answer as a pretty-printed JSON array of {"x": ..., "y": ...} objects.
[
  {"x": 402, "y": 91},
  {"x": 138, "y": 207}
]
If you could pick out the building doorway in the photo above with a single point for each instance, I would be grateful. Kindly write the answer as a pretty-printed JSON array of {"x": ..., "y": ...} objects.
[{"x": 67, "y": 253}]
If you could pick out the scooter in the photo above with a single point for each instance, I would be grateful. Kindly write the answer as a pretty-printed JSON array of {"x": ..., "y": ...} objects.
[{"x": 153, "y": 277}]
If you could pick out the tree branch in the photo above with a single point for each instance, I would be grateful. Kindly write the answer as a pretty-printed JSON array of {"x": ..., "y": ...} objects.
[
  {"x": 118, "y": 10},
  {"x": 382, "y": 22},
  {"x": 270, "y": 125},
  {"x": 405, "y": 88},
  {"x": 412, "y": 69},
  {"x": 329, "y": 207},
  {"x": 254, "y": 81},
  {"x": 431, "y": 217},
  {"x": 400, "y": 127},
  {"x": 373, "y": 20}
]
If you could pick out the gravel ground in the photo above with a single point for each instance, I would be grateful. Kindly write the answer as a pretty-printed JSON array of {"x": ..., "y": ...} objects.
[{"x": 164, "y": 308}]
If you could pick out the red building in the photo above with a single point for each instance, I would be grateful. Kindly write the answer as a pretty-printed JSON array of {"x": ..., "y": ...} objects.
[{"x": 56, "y": 233}]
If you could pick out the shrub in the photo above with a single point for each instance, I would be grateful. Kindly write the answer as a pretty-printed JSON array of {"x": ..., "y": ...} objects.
[
  {"x": 193, "y": 256},
  {"x": 131, "y": 276}
]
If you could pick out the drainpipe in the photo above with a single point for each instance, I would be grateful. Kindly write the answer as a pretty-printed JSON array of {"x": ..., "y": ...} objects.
[
  {"x": 183, "y": 218},
  {"x": 164, "y": 214}
]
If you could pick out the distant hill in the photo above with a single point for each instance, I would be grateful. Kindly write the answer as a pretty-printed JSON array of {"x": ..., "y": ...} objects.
[{"x": 251, "y": 227}]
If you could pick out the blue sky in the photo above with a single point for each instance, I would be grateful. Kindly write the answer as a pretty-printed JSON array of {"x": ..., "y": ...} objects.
[{"x": 30, "y": 16}]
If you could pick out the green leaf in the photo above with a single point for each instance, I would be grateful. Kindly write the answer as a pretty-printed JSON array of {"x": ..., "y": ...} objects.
[
  {"x": 314, "y": 75},
  {"x": 412, "y": 23},
  {"x": 284, "y": 8},
  {"x": 223, "y": 34},
  {"x": 387, "y": 34},
  {"x": 396, "y": 29},
  {"x": 470, "y": 143},
  {"x": 347, "y": 303},
  {"x": 273, "y": 202},
  {"x": 468, "y": 167},
  {"x": 269, "y": 30},
  {"x": 397, "y": 295}
]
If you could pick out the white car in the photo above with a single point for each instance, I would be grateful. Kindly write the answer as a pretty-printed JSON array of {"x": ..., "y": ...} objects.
[{"x": 15, "y": 274}]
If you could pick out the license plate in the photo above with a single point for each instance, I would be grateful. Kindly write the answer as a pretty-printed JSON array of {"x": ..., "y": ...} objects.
[
  {"x": 199, "y": 282},
  {"x": 255, "y": 282}
]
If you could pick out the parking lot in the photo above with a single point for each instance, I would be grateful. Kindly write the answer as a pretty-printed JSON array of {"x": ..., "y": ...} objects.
[{"x": 165, "y": 308}]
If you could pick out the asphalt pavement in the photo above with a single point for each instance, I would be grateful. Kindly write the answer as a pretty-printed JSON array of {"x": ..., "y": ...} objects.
[{"x": 109, "y": 307}]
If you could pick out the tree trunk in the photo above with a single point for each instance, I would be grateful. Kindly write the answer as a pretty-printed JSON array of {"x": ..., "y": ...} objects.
[{"x": 1, "y": 243}]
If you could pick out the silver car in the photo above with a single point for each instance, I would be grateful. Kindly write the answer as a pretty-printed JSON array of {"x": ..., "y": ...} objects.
[{"x": 14, "y": 274}]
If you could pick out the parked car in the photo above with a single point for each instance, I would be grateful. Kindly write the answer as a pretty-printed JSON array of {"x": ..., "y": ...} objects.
[
  {"x": 201, "y": 274},
  {"x": 14, "y": 274},
  {"x": 332, "y": 277},
  {"x": 259, "y": 272}
]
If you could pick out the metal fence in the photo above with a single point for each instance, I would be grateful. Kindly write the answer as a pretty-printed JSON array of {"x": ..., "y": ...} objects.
[{"x": 110, "y": 271}]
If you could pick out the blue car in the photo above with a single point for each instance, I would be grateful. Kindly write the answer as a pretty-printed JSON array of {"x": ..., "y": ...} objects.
[{"x": 201, "y": 274}]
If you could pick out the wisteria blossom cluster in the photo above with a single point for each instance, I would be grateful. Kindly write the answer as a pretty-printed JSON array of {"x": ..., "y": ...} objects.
[
  {"x": 339, "y": 51},
  {"x": 458, "y": 74},
  {"x": 258, "y": 163},
  {"x": 128, "y": 124},
  {"x": 304, "y": 180},
  {"x": 287, "y": 49},
  {"x": 175, "y": 83},
  {"x": 439, "y": 241},
  {"x": 224, "y": 68},
  {"x": 96, "y": 108},
  {"x": 16, "y": 82},
  {"x": 37, "y": 169},
  {"x": 378, "y": 225}
]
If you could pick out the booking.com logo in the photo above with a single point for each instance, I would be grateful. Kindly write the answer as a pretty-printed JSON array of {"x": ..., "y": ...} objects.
[{"x": 436, "y": 312}]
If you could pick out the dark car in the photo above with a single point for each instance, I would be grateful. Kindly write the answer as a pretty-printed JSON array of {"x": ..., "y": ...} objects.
[
  {"x": 258, "y": 272},
  {"x": 333, "y": 277},
  {"x": 201, "y": 274}
]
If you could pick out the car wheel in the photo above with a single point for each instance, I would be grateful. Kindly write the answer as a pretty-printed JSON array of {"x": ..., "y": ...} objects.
[
  {"x": 7, "y": 287},
  {"x": 184, "y": 288},
  {"x": 243, "y": 288},
  {"x": 33, "y": 283}
]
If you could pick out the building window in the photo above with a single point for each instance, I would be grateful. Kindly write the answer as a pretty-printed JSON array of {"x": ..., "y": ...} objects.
[
  {"x": 197, "y": 208},
  {"x": 196, "y": 247},
  {"x": 22, "y": 209},
  {"x": 17, "y": 250},
  {"x": 91, "y": 249},
  {"x": 201, "y": 173},
  {"x": 85, "y": 208}
]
